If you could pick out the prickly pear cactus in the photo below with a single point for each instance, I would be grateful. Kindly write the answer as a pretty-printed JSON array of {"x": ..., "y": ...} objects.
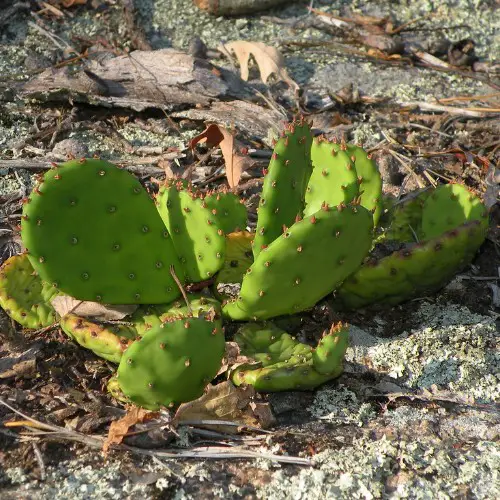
[
  {"x": 285, "y": 364},
  {"x": 305, "y": 264},
  {"x": 333, "y": 180},
  {"x": 105, "y": 340},
  {"x": 424, "y": 267},
  {"x": 239, "y": 258},
  {"x": 282, "y": 199},
  {"x": 24, "y": 296},
  {"x": 196, "y": 235},
  {"x": 89, "y": 220},
  {"x": 146, "y": 318},
  {"x": 172, "y": 363},
  {"x": 228, "y": 209}
]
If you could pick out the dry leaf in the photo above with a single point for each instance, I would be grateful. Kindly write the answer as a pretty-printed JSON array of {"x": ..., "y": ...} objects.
[
  {"x": 269, "y": 60},
  {"x": 64, "y": 304},
  {"x": 119, "y": 428},
  {"x": 232, "y": 151},
  {"x": 233, "y": 358},
  {"x": 21, "y": 365},
  {"x": 223, "y": 402}
]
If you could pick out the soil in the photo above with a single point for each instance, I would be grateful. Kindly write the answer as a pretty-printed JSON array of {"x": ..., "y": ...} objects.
[{"x": 415, "y": 414}]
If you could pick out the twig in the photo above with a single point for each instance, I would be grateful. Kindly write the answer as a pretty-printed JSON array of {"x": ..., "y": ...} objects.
[
  {"x": 64, "y": 46},
  {"x": 181, "y": 288},
  {"x": 469, "y": 112},
  {"x": 39, "y": 459}
]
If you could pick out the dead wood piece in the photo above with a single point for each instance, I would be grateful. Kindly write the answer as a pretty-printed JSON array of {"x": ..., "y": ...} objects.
[
  {"x": 237, "y": 7},
  {"x": 167, "y": 79},
  {"x": 247, "y": 118}
]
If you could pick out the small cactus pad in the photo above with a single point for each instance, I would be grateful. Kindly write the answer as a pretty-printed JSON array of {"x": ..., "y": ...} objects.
[
  {"x": 417, "y": 270},
  {"x": 305, "y": 264},
  {"x": 94, "y": 233},
  {"x": 172, "y": 363},
  {"x": 282, "y": 199},
  {"x": 448, "y": 207},
  {"x": 369, "y": 179},
  {"x": 197, "y": 237},
  {"x": 329, "y": 354},
  {"x": 146, "y": 318},
  {"x": 106, "y": 341},
  {"x": 228, "y": 209},
  {"x": 239, "y": 258},
  {"x": 284, "y": 363},
  {"x": 334, "y": 179},
  {"x": 24, "y": 296},
  {"x": 113, "y": 387}
]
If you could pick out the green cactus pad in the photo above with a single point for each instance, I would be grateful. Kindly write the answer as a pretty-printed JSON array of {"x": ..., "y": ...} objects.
[
  {"x": 228, "y": 209},
  {"x": 282, "y": 199},
  {"x": 369, "y": 179},
  {"x": 309, "y": 261},
  {"x": 197, "y": 237},
  {"x": 146, "y": 318},
  {"x": 239, "y": 258},
  {"x": 172, "y": 364},
  {"x": 448, "y": 207},
  {"x": 418, "y": 270},
  {"x": 106, "y": 341},
  {"x": 24, "y": 296},
  {"x": 94, "y": 233},
  {"x": 334, "y": 178},
  {"x": 285, "y": 364}
]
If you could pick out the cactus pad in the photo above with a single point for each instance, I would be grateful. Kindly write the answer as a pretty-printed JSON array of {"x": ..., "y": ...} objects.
[
  {"x": 146, "y": 318},
  {"x": 282, "y": 199},
  {"x": 334, "y": 178},
  {"x": 24, "y": 296},
  {"x": 197, "y": 238},
  {"x": 228, "y": 209},
  {"x": 424, "y": 267},
  {"x": 172, "y": 364},
  {"x": 448, "y": 207},
  {"x": 283, "y": 362},
  {"x": 238, "y": 259},
  {"x": 305, "y": 264},
  {"x": 106, "y": 341},
  {"x": 88, "y": 221}
]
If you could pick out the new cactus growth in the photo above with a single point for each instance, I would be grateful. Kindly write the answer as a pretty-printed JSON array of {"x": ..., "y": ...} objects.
[
  {"x": 24, "y": 296},
  {"x": 172, "y": 363},
  {"x": 197, "y": 237},
  {"x": 424, "y": 267},
  {"x": 228, "y": 209},
  {"x": 88, "y": 221},
  {"x": 106, "y": 341},
  {"x": 283, "y": 192},
  {"x": 306, "y": 263},
  {"x": 239, "y": 258},
  {"x": 286, "y": 364}
]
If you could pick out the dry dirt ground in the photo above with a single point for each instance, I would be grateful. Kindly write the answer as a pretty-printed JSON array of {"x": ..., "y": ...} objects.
[{"x": 415, "y": 415}]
